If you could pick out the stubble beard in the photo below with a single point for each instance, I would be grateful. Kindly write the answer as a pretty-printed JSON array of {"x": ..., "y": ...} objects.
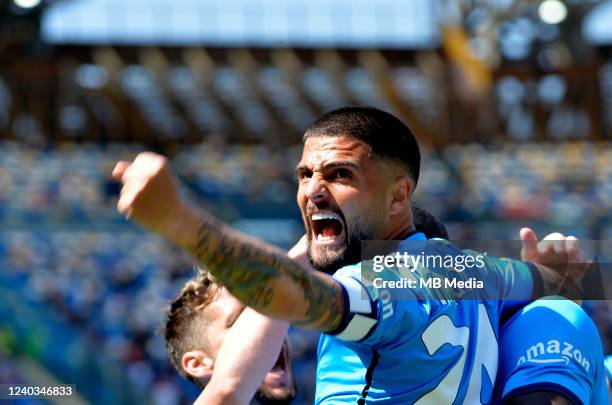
[
  {"x": 264, "y": 397},
  {"x": 329, "y": 260}
]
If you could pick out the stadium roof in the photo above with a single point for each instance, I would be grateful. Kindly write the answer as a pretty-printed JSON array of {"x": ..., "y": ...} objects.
[{"x": 254, "y": 23}]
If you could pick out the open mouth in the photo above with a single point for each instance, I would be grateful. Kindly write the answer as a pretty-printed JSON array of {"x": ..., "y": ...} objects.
[
  {"x": 326, "y": 226},
  {"x": 279, "y": 375},
  {"x": 281, "y": 361}
]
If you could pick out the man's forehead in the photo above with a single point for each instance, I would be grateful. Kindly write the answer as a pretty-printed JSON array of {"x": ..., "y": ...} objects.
[{"x": 318, "y": 149}]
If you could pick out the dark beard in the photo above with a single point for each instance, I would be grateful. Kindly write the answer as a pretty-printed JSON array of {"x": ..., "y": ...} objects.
[
  {"x": 263, "y": 398},
  {"x": 350, "y": 254}
]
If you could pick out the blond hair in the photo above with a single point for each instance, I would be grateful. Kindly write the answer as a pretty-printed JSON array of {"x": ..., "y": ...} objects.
[{"x": 186, "y": 321}]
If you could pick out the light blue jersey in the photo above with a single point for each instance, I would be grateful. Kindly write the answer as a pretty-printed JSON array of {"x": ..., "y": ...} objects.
[
  {"x": 552, "y": 345},
  {"x": 418, "y": 348}
]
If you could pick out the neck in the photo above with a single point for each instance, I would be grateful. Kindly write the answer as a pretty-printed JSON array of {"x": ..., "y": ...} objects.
[
  {"x": 405, "y": 233},
  {"x": 401, "y": 226},
  {"x": 400, "y": 231}
]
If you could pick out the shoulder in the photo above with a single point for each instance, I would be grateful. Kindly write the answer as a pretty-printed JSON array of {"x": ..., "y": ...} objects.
[
  {"x": 559, "y": 313},
  {"x": 562, "y": 351},
  {"x": 353, "y": 270},
  {"x": 555, "y": 319}
]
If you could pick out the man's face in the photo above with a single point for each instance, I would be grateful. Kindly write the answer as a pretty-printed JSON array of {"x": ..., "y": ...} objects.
[
  {"x": 343, "y": 197},
  {"x": 278, "y": 386}
]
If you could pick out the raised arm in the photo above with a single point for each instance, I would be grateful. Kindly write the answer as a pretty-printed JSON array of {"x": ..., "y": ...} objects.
[
  {"x": 248, "y": 352},
  {"x": 258, "y": 274}
]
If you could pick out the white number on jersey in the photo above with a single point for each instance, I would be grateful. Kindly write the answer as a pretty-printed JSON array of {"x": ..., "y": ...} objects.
[{"x": 442, "y": 331}]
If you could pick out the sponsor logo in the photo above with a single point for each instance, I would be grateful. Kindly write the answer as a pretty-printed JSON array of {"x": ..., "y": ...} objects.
[{"x": 565, "y": 352}]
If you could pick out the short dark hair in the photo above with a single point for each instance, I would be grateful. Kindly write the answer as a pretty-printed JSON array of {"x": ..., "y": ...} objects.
[
  {"x": 186, "y": 322},
  {"x": 387, "y": 136},
  {"x": 426, "y": 222}
]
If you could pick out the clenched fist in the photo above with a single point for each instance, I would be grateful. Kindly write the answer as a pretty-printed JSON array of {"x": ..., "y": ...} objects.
[{"x": 150, "y": 194}]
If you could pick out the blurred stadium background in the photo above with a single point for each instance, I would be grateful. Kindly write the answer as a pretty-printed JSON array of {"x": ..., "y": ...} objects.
[{"x": 512, "y": 100}]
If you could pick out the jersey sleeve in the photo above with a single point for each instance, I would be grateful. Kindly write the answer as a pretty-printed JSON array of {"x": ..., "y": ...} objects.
[
  {"x": 552, "y": 345},
  {"x": 373, "y": 316}
]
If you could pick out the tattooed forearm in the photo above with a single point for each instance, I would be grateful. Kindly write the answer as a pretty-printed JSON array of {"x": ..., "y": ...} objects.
[{"x": 264, "y": 278}]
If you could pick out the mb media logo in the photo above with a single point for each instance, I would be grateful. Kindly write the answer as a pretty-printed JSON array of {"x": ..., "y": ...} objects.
[{"x": 564, "y": 350}]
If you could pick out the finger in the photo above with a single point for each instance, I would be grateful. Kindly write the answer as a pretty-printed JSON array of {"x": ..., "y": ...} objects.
[
  {"x": 554, "y": 236},
  {"x": 120, "y": 169},
  {"x": 558, "y": 246},
  {"x": 552, "y": 243},
  {"x": 582, "y": 264},
  {"x": 124, "y": 204},
  {"x": 529, "y": 240},
  {"x": 572, "y": 245},
  {"x": 127, "y": 199},
  {"x": 550, "y": 246},
  {"x": 576, "y": 257}
]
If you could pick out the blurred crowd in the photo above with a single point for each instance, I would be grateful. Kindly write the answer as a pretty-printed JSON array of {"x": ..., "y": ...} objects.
[
  {"x": 63, "y": 247},
  {"x": 112, "y": 286},
  {"x": 562, "y": 182}
]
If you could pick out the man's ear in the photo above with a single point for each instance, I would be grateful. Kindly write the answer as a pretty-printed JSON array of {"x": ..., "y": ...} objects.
[
  {"x": 198, "y": 364},
  {"x": 401, "y": 189}
]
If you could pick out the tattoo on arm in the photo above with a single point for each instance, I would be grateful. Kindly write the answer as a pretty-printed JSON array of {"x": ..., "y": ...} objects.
[{"x": 264, "y": 278}]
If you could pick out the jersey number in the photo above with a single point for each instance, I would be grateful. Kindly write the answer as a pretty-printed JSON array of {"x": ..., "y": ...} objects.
[{"x": 442, "y": 331}]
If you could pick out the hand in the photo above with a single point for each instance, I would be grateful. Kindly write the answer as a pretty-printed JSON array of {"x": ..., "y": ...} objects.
[
  {"x": 150, "y": 195},
  {"x": 556, "y": 251}
]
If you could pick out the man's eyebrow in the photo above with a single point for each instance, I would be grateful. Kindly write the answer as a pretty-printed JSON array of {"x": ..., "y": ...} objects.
[
  {"x": 300, "y": 168},
  {"x": 337, "y": 164},
  {"x": 331, "y": 165}
]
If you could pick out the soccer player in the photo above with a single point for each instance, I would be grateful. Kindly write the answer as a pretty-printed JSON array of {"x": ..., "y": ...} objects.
[
  {"x": 246, "y": 353},
  {"x": 549, "y": 352},
  {"x": 200, "y": 319},
  {"x": 358, "y": 170},
  {"x": 254, "y": 339},
  {"x": 551, "y": 379}
]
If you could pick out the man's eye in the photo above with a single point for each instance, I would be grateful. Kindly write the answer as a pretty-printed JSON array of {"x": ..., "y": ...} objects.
[
  {"x": 304, "y": 174},
  {"x": 343, "y": 174}
]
